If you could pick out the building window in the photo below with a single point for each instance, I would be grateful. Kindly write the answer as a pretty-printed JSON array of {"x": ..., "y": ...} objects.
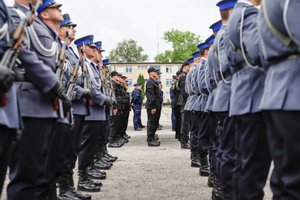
[
  {"x": 169, "y": 82},
  {"x": 168, "y": 70},
  {"x": 142, "y": 67},
  {"x": 128, "y": 70},
  {"x": 129, "y": 82}
]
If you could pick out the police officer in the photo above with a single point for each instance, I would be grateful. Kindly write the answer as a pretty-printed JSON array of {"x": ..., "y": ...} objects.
[
  {"x": 279, "y": 34},
  {"x": 79, "y": 107},
  {"x": 125, "y": 109},
  {"x": 137, "y": 102},
  {"x": 95, "y": 121},
  {"x": 176, "y": 92},
  {"x": 153, "y": 106},
  {"x": 10, "y": 119},
  {"x": 28, "y": 163},
  {"x": 205, "y": 130},
  {"x": 211, "y": 84},
  {"x": 182, "y": 99},
  {"x": 225, "y": 129},
  {"x": 252, "y": 164},
  {"x": 116, "y": 141},
  {"x": 193, "y": 107},
  {"x": 172, "y": 97}
]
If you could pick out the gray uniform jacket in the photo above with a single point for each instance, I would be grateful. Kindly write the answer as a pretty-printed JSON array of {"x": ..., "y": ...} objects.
[
  {"x": 189, "y": 90},
  {"x": 97, "y": 110},
  {"x": 210, "y": 80},
  {"x": 39, "y": 78},
  {"x": 248, "y": 80},
  {"x": 283, "y": 77},
  {"x": 196, "y": 89},
  {"x": 79, "y": 104},
  {"x": 202, "y": 87},
  {"x": 223, "y": 91},
  {"x": 10, "y": 113}
]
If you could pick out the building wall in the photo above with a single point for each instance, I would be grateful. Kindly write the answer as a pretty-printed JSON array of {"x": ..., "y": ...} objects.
[{"x": 133, "y": 70}]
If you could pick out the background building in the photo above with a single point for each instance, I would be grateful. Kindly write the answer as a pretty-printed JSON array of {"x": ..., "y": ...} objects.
[{"x": 133, "y": 70}]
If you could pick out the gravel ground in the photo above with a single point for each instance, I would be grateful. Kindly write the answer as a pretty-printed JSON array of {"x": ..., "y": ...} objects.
[{"x": 152, "y": 173}]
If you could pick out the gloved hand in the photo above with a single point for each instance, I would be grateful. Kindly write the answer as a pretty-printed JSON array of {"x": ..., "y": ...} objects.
[
  {"x": 109, "y": 101},
  {"x": 6, "y": 78},
  {"x": 87, "y": 94},
  {"x": 59, "y": 91}
]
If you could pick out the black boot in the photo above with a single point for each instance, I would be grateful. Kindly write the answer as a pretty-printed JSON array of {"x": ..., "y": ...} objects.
[
  {"x": 100, "y": 164},
  {"x": 65, "y": 192},
  {"x": 204, "y": 167},
  {"x": 85, "y": 183},
  {"x": 195, "y": 162},
  {"x": 185, "y": 145},
  {"x": 78, "y": 194}
]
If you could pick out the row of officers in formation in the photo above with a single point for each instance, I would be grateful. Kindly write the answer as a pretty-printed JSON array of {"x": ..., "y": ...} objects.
[
  {"x": 58, "y": 103},
  {"x": 236, "y": 102}
]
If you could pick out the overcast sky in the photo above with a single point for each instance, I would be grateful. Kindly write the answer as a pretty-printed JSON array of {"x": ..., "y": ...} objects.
[{"x": 143, "y": 20}]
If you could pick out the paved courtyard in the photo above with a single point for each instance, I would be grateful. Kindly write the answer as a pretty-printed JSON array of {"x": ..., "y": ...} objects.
[{"x": 157, "y": 173}]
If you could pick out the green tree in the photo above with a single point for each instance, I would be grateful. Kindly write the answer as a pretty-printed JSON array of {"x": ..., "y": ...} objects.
[
  {"x": 141, "y": 80},
  {"x": 128, "y": 51},
  {"x": 184, "y": 43}
]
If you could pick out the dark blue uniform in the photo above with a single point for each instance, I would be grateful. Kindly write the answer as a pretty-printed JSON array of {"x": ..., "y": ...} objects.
[{"x": 137, "y": 101}]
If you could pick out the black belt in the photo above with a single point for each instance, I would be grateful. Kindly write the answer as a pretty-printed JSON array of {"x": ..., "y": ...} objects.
[
  {"x": 285, "y": 58},
  {"x": 225, "y": 76}
]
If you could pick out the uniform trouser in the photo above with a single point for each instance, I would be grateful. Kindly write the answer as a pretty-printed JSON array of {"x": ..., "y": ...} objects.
[
  {"x": 178, "y": 121},
  {"x": 152, "y": 123},
  {"x": 90, "y": 134},
  {"x": 29, "y": 157},
  {"x": 137, "y": 111},
  {"x": 115, "y": 126},
  {"x": 102, "y": 137},
  {"x": 253, "y": 157},
  {"x": 124, "y": 122},
  {"x": 284, "y": 139},
  {"x": 54, "y": 163},
  {"x": 7, "y": 136},
  {"x": 212, "y": 128},
  {"x": 185, "y": 125},
  {"x": 195, "y": 127},
  {"x": 204, "y": 134},
  {"x": 173, "y": 117},
  {"x": 73, "y": 146},
  {"x": 226, "y": 150}
]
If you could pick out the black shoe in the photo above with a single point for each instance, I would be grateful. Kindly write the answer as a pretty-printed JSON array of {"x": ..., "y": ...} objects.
[
  {"x": 126, "y": 136},
  {"x": 204, "y": 166},
  {"x": 107, "y": 158},
  {"x": 101, "y": 165},
  {"x": 195, "y": 162},
  {"x": 65, "y": 192},
  {"x": 97, "y": 183},
  {"x": 87, "y": 186},
  {"x": 95, "y": 173},
  {"x": 142, "y": 126},
  {"x": 110, "y": 156},
  {"x": 211, "y": 180},
  {"x": 79, "y": 195},
  {"x": 185, "y": 145},
  {"x": 114, "y": 144},
  {"x": 154, "y": 143},
  {"x": 156, "y": 137},
  {"x": 138, "y": 129}
]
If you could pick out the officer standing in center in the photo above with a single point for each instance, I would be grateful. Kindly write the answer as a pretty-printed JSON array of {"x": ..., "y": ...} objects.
[
  {"x": 153, "y": 106},
  {"x": 137, "y": 101}
]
